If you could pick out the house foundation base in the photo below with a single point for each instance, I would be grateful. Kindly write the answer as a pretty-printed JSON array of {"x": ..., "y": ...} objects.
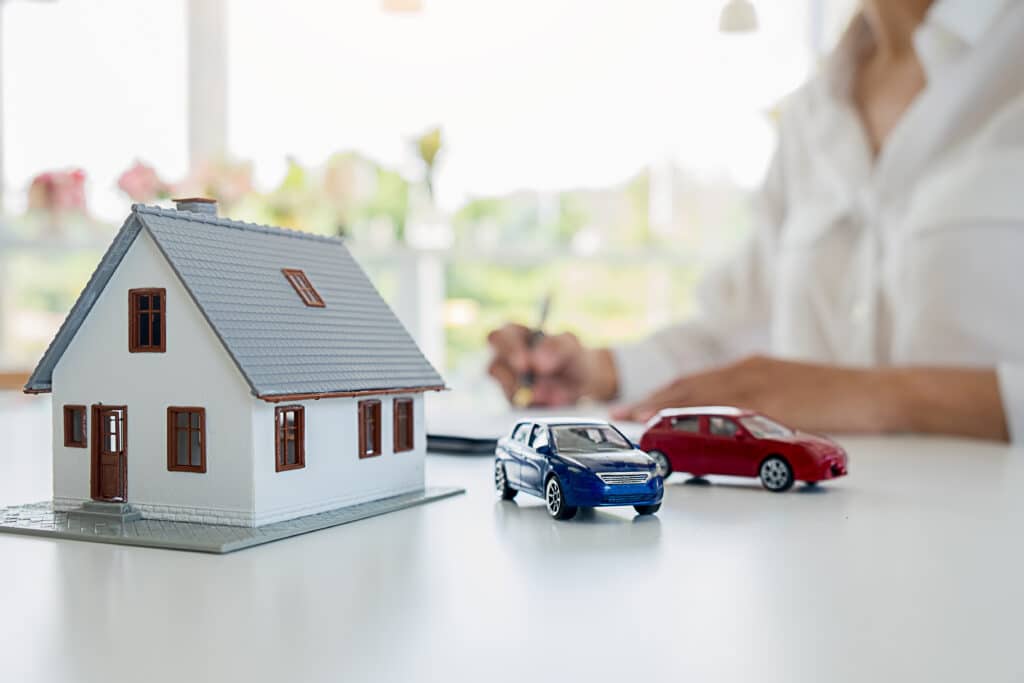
[
  {"x": 100, "y": 511},
  {"x": 41, "y": 519}
]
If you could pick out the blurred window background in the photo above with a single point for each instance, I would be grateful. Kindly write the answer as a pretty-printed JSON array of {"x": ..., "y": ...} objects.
[{"x": 476, "y": 154}]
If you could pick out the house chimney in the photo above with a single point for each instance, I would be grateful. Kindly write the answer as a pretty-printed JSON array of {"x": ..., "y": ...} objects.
[{"x": 196, "y": 205}]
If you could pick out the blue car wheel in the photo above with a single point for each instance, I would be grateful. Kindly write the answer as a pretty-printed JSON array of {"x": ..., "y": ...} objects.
[
  {"x": 501, "y": 482},
  {"x": 554, "y": 498},
  {"x": 647, "y": 509}
]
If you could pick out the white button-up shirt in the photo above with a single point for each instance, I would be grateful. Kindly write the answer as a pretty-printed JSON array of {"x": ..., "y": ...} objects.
[{"x": 913, "y": 257}]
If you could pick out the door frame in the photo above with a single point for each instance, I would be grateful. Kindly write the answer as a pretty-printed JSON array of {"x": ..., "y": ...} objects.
[
  {"x": 97, "y": 435},
  {"x": 517, "y": 453},
  {"x": 531, "y": 476}
]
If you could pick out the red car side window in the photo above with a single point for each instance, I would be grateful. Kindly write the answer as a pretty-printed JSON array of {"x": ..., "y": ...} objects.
[
  {"x": 722, "y": 426},
  {"x": 687, "y": 423}
]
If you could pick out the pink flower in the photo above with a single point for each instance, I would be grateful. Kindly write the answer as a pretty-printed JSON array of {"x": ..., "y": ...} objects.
[
  {"x": 225, "y": 180},
  {"x": 57, "y": 191},
  {"x": 142, "y": 184}
]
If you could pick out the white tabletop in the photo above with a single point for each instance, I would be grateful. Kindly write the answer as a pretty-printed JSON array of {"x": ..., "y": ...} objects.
[{"x": 908, "y": 569}]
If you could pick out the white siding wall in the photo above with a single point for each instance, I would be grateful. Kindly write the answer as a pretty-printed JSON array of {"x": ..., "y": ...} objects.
[
  {"x": 195, "y": 371},
  {"x": 334, "y": 475}
]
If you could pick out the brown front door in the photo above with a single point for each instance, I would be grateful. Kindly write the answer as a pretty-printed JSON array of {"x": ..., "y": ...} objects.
[{"x": 109, "y": 453}]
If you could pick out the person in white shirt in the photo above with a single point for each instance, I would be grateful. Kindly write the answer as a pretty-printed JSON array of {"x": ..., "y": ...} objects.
[{"x": 883, "y": 289}]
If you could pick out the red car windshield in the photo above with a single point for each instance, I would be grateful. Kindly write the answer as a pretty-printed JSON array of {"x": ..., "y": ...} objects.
[
  {"x": 763, "y": 428},
  {"x": 588, "y": 439}
]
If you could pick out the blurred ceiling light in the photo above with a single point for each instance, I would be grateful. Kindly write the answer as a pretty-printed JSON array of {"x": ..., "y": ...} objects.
[
  {"x": 738, "y": 16},
  {"x": 401, "y": 6}
]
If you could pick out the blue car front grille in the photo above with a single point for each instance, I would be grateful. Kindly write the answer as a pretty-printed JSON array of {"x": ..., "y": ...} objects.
[{"x": 620, "y": 478}]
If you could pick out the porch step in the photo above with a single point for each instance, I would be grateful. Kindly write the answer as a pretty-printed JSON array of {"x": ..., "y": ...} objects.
[
  {"x": 110, "y": 508},
  {"x": 111, "y": 512}
]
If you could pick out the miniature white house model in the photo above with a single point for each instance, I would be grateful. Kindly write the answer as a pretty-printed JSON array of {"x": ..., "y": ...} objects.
[{"x": 222, "y": 372}]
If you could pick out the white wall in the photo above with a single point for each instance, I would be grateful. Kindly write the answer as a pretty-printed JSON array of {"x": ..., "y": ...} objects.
[
  {"x": 334, "y": 475},
  {"x": 194, "y": 371}
]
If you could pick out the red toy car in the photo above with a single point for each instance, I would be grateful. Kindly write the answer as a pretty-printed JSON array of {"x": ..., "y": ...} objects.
[{"x": 741, "y": 443}]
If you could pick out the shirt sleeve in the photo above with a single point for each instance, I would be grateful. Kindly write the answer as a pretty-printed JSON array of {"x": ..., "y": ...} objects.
[
  {"x": 1011, "y": 387},
  {"x": 734, "y": 303},
  {"x": 958, "y": 284},
  {"x": 962, "y": 300}
]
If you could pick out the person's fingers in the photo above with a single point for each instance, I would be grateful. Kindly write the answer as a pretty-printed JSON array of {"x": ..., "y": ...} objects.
[
  {"x": 676, "y": 394},
  {"x": 511, "y": 345},
  {"x": 737, "y": 385},
  {"x": 552, "y": 362},
  {"x": 554, "y": 352},
  {"x": 635, "y": 412},
  {"x": 621, "y": 412},
  {"x": 553, "y": 392},
  {"x": 505, "y": 376}
]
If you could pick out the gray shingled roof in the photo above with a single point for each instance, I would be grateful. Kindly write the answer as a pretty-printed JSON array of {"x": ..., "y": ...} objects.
[{"x": 233, "y": 272}]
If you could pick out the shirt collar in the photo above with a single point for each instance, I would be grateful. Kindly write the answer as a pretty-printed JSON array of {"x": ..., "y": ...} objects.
[
  {"x": 950, "y": 29},
  {"x": 967, "y": 20}
]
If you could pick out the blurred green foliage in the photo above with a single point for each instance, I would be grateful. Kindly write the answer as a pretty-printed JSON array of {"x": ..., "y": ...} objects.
[
  {"x": 602, "y": 302},
  {"x": 614, "y": 276},
  {"x": 428, "y": 146},
  {"x": 45, "y": 282}
]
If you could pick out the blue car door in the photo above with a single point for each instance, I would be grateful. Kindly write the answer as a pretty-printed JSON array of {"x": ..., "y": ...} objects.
[
  {"x": 534, "y": 464},
  {"x": 516, "y": 450}
]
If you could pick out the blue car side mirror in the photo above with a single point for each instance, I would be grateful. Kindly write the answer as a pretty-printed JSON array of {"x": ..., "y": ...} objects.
[{"x": 545, "y": 450}]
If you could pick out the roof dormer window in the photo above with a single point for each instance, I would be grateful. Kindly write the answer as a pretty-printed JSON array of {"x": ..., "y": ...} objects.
[{"x": 303, "y": 287}]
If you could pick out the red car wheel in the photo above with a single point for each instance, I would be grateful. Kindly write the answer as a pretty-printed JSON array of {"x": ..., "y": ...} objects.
[{"x": 776, "y": 474}]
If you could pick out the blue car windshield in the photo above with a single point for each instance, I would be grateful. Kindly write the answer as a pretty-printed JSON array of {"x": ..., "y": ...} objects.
[{"x": 588, "y": 439}]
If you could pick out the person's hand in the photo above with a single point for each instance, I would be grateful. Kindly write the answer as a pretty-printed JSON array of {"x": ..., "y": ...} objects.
[
  {"x": 965, "y": 401},
  {"x": 562, "y": 369},
  {"x": 804, "y": 395}
]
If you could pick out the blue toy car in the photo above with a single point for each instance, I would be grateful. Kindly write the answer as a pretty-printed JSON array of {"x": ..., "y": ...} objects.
[{"x": 573, "y": 463}]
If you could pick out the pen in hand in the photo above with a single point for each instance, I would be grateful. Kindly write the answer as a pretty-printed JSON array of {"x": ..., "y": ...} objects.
[{"x": 523, "y": 397}]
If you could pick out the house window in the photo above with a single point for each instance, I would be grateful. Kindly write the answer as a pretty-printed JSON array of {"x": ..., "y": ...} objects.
[
  {"x": 290, "y": 438},
  {"x": 403, "y": 424},
  {"x": 303, "y": 287},
  {"x": 147, "y": 320},
  {"x": 369, "y": 429},
  {"x": 186, "y": 439},
  {"x": 74, "y": 427}
]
